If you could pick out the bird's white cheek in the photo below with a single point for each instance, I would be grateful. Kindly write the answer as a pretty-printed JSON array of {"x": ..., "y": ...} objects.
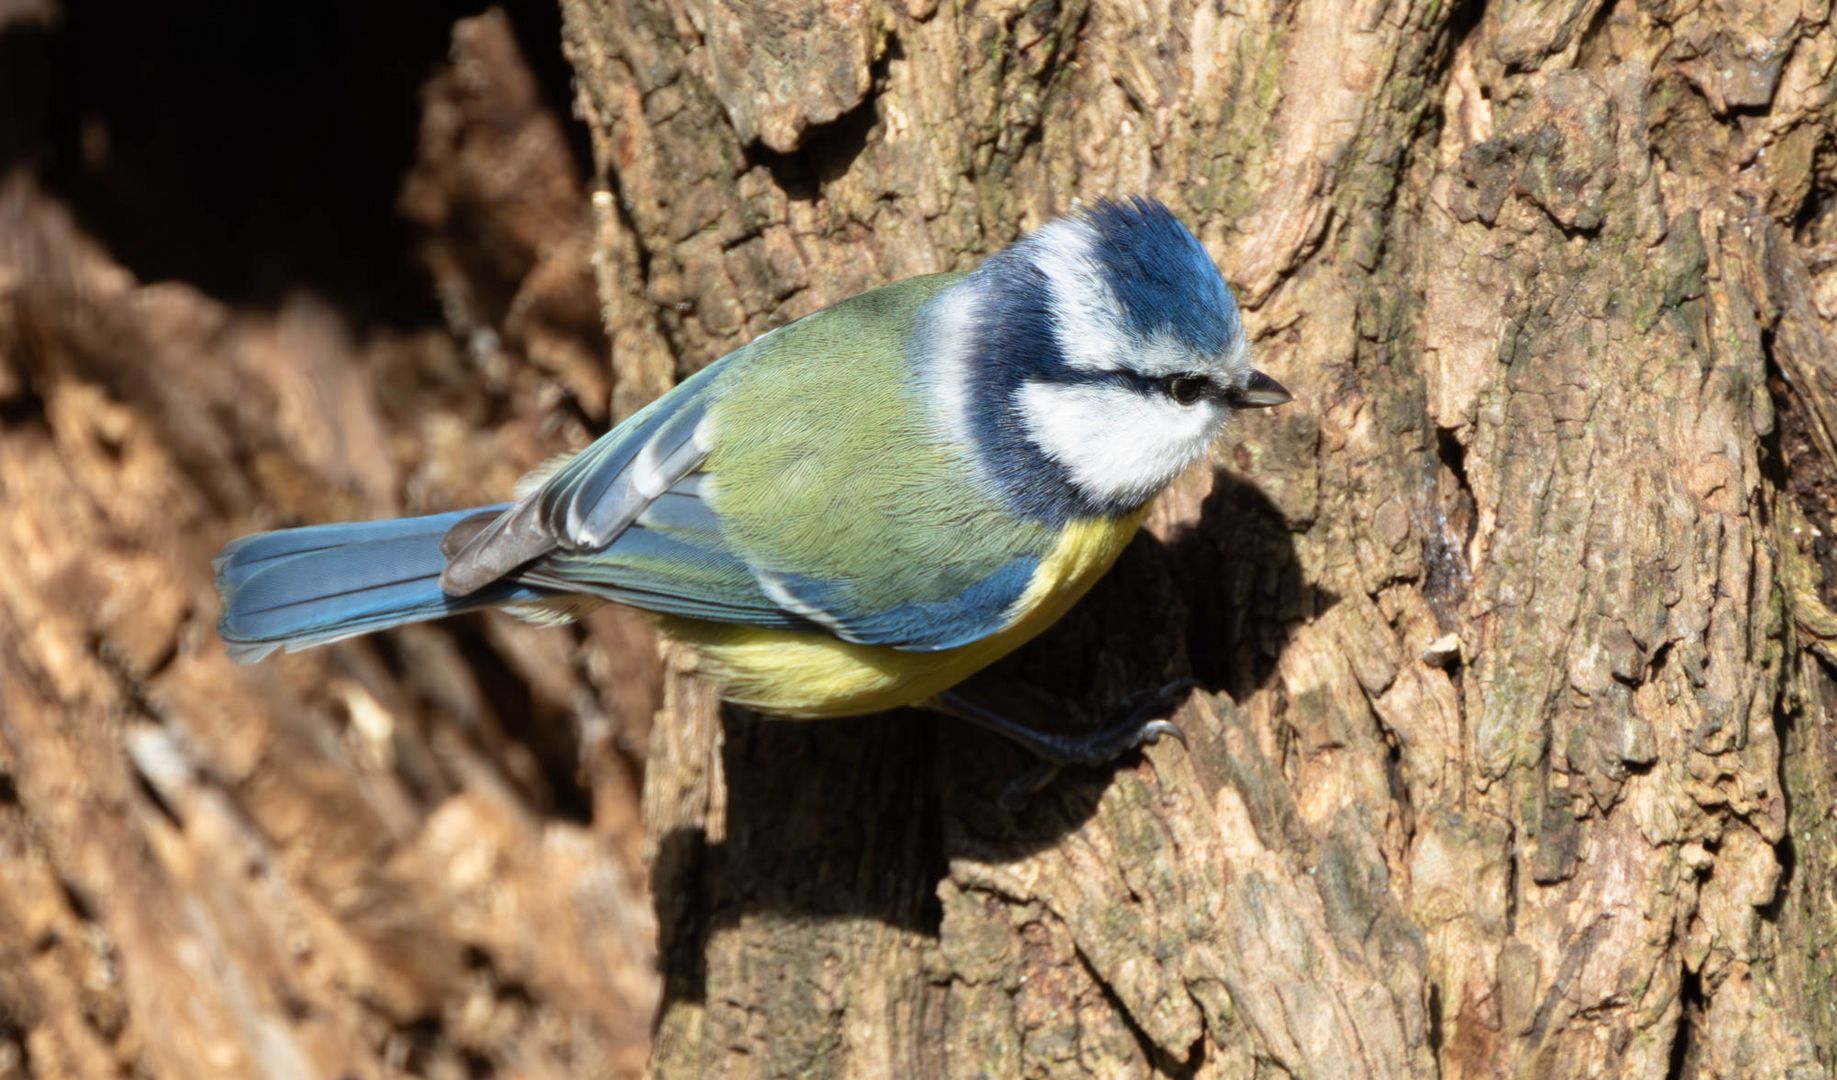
[{"x": 1120, "y": 446}]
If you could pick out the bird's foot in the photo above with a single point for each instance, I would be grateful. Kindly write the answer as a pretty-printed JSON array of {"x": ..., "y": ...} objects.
[{"x": 1141, "y": 726}]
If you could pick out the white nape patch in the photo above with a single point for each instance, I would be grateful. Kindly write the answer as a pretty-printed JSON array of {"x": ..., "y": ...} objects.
[
  {"x": 949, "y": 327},
  {"x": 1120, "y": 445},
  {"x": 1088, "y": 317}
]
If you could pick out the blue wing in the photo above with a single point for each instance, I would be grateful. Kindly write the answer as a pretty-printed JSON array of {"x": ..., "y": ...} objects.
[
  {"x": 629, "y": 519},
  {"x": 670, "y": 559},
  {"x": 593, "y": 496},
  {"x": 979, "y": 609},
  {"x": 674, "y": 559}
]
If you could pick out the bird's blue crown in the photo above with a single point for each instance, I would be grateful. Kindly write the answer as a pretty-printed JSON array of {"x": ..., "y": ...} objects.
[
  {"x": 1116, "y": 297},
  {"x": 1162, "y": 275}
]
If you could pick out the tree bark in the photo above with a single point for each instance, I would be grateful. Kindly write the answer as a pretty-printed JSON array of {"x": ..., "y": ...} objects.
[
  {"x": 1516, "y": 633},
  {"x": 406, "y": 856},
  {"x": 1497, "y": 624}
]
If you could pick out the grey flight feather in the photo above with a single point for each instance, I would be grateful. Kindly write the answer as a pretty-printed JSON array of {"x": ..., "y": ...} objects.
[
  {"x": 514, "y": 539},
  {"x": 593, "y": 497},
  {"x": 593, "y": 520}
]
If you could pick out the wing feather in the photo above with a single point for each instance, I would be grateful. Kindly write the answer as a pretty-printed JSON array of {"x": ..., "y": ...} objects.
[
  {"x": 868, "y": 534},
  {"x": 587, "y": 499},
  {"x": 590, "y": 506},
  {"x": 982, "y": 607}
]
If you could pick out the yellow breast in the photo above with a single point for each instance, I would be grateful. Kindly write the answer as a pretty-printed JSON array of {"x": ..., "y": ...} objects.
[{"x": 809, "y": 675}]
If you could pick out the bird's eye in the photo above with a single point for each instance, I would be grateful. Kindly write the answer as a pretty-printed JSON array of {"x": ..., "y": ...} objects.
[{"x": 1185, "y": 389}]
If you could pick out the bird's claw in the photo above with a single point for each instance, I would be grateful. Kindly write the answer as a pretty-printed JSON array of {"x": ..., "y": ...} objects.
[
  {"x": 1154, "y": 729},
  {"x": 1029, "y": 783}
]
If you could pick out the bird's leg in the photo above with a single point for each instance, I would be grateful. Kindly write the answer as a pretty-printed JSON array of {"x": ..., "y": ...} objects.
[
  {"x": 1056, "y": 750},
  {"x": 1090, "y": 748}
]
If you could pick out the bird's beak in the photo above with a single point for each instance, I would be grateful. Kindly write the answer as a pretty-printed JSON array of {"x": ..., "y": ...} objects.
[{"x": 1260, "y": 392}]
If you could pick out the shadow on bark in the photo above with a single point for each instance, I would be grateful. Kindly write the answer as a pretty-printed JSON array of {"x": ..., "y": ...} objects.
[{"x": 861, "y": 804}]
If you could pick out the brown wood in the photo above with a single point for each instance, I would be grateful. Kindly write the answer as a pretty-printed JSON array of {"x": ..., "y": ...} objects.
[
  {"x": 1514, "y": 752},
  {"x": 1490, "y": 778}
]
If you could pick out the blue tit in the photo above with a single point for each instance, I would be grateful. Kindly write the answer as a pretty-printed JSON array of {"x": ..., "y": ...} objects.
[{"x": 853, "y": 512}]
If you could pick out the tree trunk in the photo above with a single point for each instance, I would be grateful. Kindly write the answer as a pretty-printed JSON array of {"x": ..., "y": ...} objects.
[
  {"x": 409, "y": 855},
  {"x": 1516, "y": 632},
  {"x": 1501, "y": 625}
]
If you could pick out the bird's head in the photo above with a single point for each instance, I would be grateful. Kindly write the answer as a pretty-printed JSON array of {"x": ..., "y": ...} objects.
[{"x": 1090, "y": 362}]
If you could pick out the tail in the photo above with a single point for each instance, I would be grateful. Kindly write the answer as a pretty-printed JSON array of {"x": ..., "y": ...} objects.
[{"x": 303, "y": 587}]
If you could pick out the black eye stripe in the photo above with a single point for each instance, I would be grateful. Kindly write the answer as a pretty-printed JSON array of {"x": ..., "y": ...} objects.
[
  {"x": 1129, "y": 380},
  {"x": 1149, "y": 385}
]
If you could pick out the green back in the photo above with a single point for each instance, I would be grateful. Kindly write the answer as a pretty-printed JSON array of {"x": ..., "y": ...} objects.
[{"x": 827, "y": 463}]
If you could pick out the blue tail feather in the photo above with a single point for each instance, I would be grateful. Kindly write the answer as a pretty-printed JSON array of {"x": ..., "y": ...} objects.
[
  {"x": 244, "y": 556},
  {"x": 302, "y": 587}
]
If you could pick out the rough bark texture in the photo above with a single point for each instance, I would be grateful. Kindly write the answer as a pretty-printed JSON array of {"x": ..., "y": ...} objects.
[
  {"x": 1516, "y": 748},
  {"x": 410, "y": 856},
  {"x": 1500, "y": 655}
]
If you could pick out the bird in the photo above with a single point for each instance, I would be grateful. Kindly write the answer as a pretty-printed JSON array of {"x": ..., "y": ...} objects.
[{"x": 855, "y": 511}]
